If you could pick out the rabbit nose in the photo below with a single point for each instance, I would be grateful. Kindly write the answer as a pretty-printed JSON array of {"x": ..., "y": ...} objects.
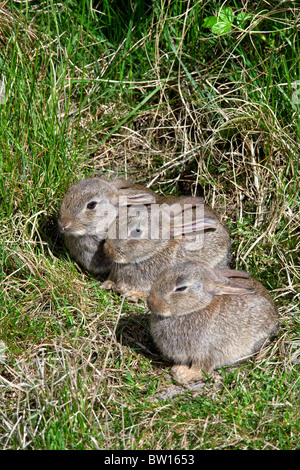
[
  {"x": 158, "y": 305},
  {"x": 64, "y": 224}
]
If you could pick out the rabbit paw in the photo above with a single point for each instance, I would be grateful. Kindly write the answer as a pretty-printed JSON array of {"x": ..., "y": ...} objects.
[
  {"x": 107, "y": 285},
  {"x": 184, "y": 374},
  {"x": 135, "y": 295}
]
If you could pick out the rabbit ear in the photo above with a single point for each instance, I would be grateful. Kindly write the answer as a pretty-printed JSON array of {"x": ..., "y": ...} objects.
[
  {"x": 200, "y": 224},
  {"x": 187, "y": 216},
  {"x": 191, "y": 200},
  {"x": 225, "y": 289},
  {"x": 116, "y": 184},
  {"x": 120, "y": 183},
  {"x": 223, "y": 282},
  {"x": 185, "y": 228},
  {"x": 128, "y": 197},
  {"x": 228, "y": 273}
]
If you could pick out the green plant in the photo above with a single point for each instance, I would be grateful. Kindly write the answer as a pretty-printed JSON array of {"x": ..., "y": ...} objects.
[{"x": 225, "y": 19}]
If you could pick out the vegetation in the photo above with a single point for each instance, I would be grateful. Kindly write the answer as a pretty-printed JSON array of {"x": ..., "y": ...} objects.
[{"x": 186, "y": 97}]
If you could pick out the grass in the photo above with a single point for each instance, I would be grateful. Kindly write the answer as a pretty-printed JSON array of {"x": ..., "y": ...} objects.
[{"x": 142, "y": 89}]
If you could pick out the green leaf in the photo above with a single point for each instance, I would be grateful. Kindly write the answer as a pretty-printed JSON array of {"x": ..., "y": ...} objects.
[
  {"x": 226, "y": 14},
  {"x": 209, "y": 21},
  {"x": 241, "y": 18},
  {"x": 221, "y": 27}
]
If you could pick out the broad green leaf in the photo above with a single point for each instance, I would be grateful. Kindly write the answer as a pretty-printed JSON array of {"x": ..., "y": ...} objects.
[
  {"x": 226, "y": 14},
  {"x": 209, "y": 21},
  {"x": 221, "y": 27}
]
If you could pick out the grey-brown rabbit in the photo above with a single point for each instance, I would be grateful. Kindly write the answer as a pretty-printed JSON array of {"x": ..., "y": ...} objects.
[
  {"x": 203, "y": 319},
  {"x": 84, "y": 220},
  {"x": 138, "y": 258}
]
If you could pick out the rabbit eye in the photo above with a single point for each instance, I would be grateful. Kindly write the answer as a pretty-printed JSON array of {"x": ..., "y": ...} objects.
[
  {"x": 136, "y": 233},
  {"x": 91, "y": 205},
  {"x": 181, "y": 289}
]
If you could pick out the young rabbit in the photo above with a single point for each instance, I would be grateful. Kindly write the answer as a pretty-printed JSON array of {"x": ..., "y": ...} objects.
[
  {"x": 87, "y": 210},
  {"x": 217, "y": 245},
  {"x": 138, "y": 259},
  {"x": 202, "y": 319}
]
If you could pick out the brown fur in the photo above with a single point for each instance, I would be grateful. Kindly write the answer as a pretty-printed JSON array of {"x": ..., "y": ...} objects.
[
  {"x": 137, "y": 262},
  {"x": 217, "y": 320},
  {"x": 80, "y": 226}
]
